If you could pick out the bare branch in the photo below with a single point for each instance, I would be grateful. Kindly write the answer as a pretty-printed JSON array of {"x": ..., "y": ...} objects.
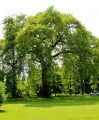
[{"x": 61, "y": 52}]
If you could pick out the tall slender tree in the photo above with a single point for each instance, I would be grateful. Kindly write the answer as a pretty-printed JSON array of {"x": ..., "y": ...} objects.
[{"x": 11, "y": 26}]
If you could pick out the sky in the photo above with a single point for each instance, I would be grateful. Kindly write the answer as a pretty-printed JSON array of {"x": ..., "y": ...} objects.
[{"x": 87, "y": 11}]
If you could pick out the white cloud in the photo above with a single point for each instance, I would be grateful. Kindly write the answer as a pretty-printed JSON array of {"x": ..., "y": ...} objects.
[{"x": 84, "y": 10}]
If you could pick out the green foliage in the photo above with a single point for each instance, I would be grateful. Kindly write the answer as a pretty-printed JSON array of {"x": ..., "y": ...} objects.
[
  {"x": 50, "y": 34},
  {"x": 34, "y": 46},
  {"x": 2, "y": 92},
  {"x": 25, "y": 89},
  {"x": 12, "y": 25},
  {"x": 56, "y": 84}
]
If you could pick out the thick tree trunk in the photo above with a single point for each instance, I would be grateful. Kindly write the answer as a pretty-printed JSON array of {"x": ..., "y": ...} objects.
[
  {"x": 45, "y": 83},
  {"x": 45, "y": 91}
]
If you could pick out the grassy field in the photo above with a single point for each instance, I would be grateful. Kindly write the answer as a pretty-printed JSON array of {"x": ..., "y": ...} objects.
[{"x": 56, "y": 108}]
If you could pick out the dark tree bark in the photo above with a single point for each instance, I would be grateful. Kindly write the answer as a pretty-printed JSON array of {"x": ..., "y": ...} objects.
[
  {"x": 14, "y": 94},
  {"x": 45, "y": 90},
  {"x": 81, "y": 82},
  {"x": 45, "y": 83}
]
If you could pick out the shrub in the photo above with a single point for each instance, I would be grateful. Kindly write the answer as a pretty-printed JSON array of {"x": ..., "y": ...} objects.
[
  {"x": 2, "y": 92},
  {"x": 24, "y": 89}
]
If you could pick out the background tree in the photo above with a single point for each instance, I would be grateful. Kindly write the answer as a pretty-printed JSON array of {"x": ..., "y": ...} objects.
[
  {"x": 70, "y": 74},
  {"x": 2, "y": 73},
  {"x": 11, "y": 27},
  {"x": 2, "y": 92},
  {"x": 95, "y": 64}
]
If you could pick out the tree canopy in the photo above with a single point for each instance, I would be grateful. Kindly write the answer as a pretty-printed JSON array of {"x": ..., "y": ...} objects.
[{"x": 34, "y": 45}]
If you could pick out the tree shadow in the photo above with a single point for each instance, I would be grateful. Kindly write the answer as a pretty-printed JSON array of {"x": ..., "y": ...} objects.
[
  {"x": 2, "y": 111},
  {"x": 57, "y": 101}
]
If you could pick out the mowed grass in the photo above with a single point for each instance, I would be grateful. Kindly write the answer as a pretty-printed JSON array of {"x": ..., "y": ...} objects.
[{"x": 56, "y": 108}]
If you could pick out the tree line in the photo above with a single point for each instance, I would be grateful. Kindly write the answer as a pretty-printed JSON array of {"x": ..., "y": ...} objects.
[{"x": 46, "y": 54}]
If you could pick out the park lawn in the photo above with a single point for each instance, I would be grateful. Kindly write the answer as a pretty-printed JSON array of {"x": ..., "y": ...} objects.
[{"x": 56, "y": 108}]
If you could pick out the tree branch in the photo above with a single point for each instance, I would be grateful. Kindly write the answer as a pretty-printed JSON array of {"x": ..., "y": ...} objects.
[
  {"x": 61, "y": 52},
  {"x": 55, "y": 43}
]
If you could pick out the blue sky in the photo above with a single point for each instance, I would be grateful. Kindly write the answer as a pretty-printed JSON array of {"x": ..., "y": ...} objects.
[{"x": 87, "y": 11}]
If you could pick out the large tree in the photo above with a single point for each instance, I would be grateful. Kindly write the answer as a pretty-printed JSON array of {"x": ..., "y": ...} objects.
[{"x": 46, "y": 36}]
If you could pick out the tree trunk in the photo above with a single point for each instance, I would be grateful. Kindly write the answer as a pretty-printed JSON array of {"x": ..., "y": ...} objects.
[
  {"x": 45, "y": 84},
  {"x": 81, "y": 83},
  {"x": 14, "y": 94},
  {"x": 70, "y": 90},
  {"x": 45, "y": 91}
]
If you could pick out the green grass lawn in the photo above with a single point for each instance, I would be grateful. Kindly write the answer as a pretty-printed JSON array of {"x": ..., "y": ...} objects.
[{"x": 56, "y": 108}]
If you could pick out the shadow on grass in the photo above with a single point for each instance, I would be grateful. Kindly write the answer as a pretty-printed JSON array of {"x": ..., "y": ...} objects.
[
  {"x": 57, "y": 101},
  {"x": 2, "y": 111}
]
